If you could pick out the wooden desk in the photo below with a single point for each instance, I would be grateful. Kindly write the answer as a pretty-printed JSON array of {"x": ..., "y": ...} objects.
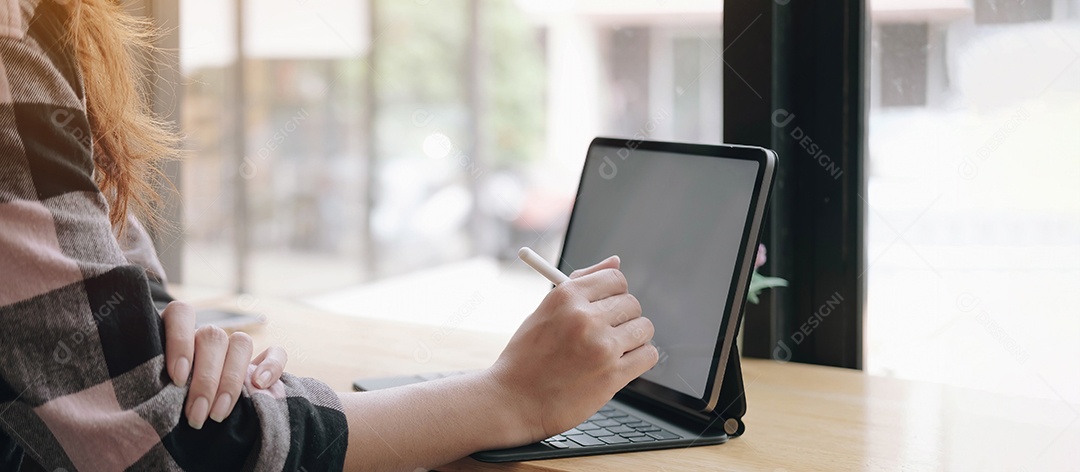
[{"x": 800, "y": 417}]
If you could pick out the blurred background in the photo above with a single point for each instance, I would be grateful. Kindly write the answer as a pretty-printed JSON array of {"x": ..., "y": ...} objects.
[
  {"x": 350, "y": 154},
  {"x": 456, "y": 130}
]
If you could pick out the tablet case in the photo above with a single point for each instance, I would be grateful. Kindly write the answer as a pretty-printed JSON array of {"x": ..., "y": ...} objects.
[
  {"x": 730, "y": 406},
  {"x": 732, "y": 403}
]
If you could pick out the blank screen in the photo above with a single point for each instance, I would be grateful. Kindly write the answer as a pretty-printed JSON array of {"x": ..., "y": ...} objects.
[{"x": 677, "y": 222}]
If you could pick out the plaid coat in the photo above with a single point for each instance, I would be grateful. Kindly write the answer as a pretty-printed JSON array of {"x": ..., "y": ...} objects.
[{"x": 82, "y": 379}]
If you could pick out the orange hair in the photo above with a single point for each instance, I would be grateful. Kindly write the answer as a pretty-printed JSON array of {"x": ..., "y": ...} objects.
[{"x": 129, "y": 141}]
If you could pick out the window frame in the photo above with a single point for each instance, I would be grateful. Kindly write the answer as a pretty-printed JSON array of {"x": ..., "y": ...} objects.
[{"x": 794, "y": 78}]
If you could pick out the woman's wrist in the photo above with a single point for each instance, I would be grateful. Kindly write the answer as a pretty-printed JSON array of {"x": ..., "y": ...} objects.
[{"x": 515, "y": 412}]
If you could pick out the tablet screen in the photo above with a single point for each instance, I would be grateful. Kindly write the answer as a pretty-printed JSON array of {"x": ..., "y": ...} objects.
[{"x": 677, "y": 223}]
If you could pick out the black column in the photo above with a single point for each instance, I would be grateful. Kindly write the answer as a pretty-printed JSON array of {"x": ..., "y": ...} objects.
[{"x": 794, "y": 81}]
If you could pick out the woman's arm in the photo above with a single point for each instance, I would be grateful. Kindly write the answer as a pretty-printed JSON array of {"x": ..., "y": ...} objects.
[
  {"x": 222, "y": 364},
  {"x": 83, "y": 380},
  {"x": 585, "y": 342},
  {"x": 220, "y": 360}
]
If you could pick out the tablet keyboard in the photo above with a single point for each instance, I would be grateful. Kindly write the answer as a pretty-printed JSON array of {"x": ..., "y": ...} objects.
[{"x": 610, "y": 426}]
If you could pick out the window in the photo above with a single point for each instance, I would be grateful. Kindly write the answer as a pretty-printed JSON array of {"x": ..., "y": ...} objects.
[
  {"x": 903, "y": 64},
  {"x": 964, "y": 233},
  {"x": 1011, "y": 11},
  {"x": 368, "y": 140},
  {"x": 973, "y": 220}
]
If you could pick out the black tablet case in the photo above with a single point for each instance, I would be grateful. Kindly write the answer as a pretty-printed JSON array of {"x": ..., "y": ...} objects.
[{"x": 730, "y": 405}]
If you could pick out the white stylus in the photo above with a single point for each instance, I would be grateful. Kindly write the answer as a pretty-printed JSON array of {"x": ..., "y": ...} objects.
[{"x": 542, "y": 266}]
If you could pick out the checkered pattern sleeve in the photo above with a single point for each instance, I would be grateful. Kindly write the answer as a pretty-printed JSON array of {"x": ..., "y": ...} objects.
[{"x": 82, "y": 380}]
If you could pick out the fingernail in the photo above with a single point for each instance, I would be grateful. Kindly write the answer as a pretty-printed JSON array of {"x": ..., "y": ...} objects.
[
  {"x": 181, "y": 369},
  {"x": 197, "y": 413},
  {"x": 264, "y": 379},
  {"x": 221, "y": 407}
]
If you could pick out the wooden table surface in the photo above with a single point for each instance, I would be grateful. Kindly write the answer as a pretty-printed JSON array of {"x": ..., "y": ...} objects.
[{"x": 800, "y": 417}]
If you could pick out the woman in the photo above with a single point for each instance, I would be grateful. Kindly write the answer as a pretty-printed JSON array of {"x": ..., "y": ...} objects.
[{"x": 83, "y": 379}]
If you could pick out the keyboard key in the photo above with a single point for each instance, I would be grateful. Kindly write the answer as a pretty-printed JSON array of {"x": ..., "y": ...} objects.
[
  {"x": 629, "y": 419},
  {"x": 647, "y": 429},
  {"x": 605, "y": 423},
  {"x": 586, "y": 440},
  {"x": 586, "y": 426},
  {"x": 614, "y": 440},
  {"x": 557, "y": 437},
  {"x": 572, "y": 432},
  {"x": 606, "y": 409},
  {"x": 662, "y": 435},
  {"x": 642, "y": 438},
  {"x": 597, "y": 417},
  {"x": 616, "y": 414},
  {"x": 599, "y": 432},
  {"x": 557, "y": 444},
  {"x": 620, "y": 429},
  {"x": 637, "y": 424},
  {"x": 633, "y": 434}
]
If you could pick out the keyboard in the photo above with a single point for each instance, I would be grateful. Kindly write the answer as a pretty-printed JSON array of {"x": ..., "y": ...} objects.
[{"x": 610, "y": 425}]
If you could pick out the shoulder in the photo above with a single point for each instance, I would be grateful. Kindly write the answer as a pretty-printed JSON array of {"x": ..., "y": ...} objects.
[
  {"x": 14, "y": 15},
  {"x": 43, "y": 121},
  {"x": 36, "y": 34},
  {"x": 17, "y": 16}
]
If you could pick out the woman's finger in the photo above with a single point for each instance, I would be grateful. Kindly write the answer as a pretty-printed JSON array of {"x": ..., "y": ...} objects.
[
  {"x": 179, "y": 320},
  {"x": 211, "y": 345},
  {"x": 618, "y": 309},
  {"x": 599, "y": 285},
  {"x": 634, "y": 334},
  {"x": 233, "y": 373},
  {"x": 640, "y": 360},
  {"x": 609, "y": 263},
  {"x": 270, "y": 364}
]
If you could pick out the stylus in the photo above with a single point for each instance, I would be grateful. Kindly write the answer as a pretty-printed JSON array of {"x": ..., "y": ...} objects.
[{"x": 542, "y": 266}]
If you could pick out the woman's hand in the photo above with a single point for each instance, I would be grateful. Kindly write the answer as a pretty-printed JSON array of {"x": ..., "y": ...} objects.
[
  {"x": 586, "y": 341},
  {"x": 220, "y": 364}
]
